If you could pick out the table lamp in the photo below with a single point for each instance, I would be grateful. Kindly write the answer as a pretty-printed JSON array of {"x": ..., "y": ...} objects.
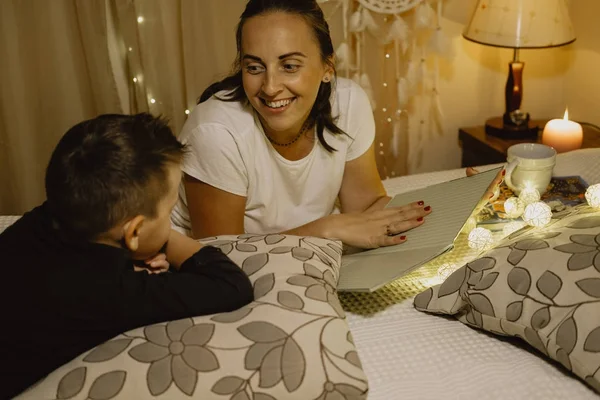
[{"x": 518, "y": 24}]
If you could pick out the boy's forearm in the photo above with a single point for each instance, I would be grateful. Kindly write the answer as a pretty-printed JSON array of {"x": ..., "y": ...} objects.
[{"x": 180, "y": 248}]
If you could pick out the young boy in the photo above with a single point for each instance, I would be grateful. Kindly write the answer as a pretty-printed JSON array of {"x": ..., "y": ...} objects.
[{"x": 69, "y": 282}]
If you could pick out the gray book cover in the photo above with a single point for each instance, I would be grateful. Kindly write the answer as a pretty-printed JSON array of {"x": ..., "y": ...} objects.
[{"x": 452, "y": 203}]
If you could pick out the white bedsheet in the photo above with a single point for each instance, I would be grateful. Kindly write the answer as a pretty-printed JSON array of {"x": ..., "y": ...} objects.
[
  {"x": 411, "y": 355},
  {"x": 407, "y": 354}
]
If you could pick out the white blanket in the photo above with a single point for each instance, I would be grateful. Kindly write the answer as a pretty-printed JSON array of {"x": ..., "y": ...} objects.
[
  {"x": 411, "y": 355},
  {"x": 407, "y": 354}
]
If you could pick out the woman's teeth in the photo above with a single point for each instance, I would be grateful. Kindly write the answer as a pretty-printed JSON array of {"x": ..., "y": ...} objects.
[{"x": 278, "y": 104}]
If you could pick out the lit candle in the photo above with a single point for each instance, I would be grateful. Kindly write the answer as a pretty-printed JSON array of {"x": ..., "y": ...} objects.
[{"x": 562, "y": 134}]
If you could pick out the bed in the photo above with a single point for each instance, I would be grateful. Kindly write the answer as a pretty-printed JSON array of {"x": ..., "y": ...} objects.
[{"x": 407, "y": 354}]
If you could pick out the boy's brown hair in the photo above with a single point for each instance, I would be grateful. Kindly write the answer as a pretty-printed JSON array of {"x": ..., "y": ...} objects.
[{"x": 109, "y": 169}]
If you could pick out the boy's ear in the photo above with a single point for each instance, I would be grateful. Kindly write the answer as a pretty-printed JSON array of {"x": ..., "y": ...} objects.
[{"x": 131, "y": 232}]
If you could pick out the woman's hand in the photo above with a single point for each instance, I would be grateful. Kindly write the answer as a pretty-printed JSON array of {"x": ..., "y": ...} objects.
[{"x": 374, "y": 229}]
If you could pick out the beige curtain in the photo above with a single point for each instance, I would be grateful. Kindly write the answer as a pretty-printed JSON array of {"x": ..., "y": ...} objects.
[
  {"x": 54, "y": 72},
  {"x": 64, "y": 61},
  {"x": 174, "y": 49}
]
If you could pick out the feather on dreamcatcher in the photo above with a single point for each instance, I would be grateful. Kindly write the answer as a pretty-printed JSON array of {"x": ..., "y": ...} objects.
[{"x": 411, "y": 38}]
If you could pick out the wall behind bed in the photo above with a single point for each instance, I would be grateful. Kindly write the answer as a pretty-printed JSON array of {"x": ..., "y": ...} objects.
[
  {"x": 46, "y": 69},
  {"x": 472, "y": 86}
]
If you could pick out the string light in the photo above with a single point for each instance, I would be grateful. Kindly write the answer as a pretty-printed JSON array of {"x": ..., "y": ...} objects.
[
  {"x": 384, "y": 109},
  {"x": 140, "y": 20},
  {"x": 152, "y": 100},
  {"x": 135, "y": 80},
  {"x": 389, "y": 120},
  {"x": 187, "y": 112},
  {"x": 387, "y": 55},
  {"x": 529, "y": 195},
  {"x": 592, "y": 195},
  {"x": 480, "y": 238},
  {"x": 130, "y": 48},
  {"x": 537, "y": 214},
  {"x": 514, "y": 207},
  {"x": 385, "y": 84}
]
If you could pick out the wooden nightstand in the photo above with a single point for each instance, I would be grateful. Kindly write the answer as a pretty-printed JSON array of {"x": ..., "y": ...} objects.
[{"x": 480, "y": 149}]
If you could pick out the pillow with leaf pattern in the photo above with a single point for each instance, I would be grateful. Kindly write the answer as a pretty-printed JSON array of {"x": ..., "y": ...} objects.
[
  {"x": 542, "y": 286},
  {"x": 292, "y": 342}
]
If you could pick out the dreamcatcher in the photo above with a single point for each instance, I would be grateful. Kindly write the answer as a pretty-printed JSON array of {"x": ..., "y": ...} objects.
[{"x": 409, "y": 34}]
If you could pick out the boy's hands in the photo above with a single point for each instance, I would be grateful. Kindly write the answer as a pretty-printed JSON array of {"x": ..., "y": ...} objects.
[{"x": 154, "y": 265}]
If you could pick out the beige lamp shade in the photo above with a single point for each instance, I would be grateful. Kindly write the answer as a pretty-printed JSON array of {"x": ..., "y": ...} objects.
[{"x": 520, "y": 24}]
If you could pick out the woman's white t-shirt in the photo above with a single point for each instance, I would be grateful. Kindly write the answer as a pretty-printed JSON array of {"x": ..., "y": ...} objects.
[{"x": 228, "y": 150}]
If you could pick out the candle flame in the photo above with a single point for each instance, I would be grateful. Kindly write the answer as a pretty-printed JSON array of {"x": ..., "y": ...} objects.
[{"x": 566, "y": 116}]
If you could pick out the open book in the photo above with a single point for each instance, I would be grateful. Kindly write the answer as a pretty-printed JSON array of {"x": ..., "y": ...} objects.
[{"x": 452, "y": 203}]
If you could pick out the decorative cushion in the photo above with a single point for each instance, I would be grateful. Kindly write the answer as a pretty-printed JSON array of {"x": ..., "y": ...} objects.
[
  {"x": 542, "y": 287},
  {"x": 292, "y": 342}
]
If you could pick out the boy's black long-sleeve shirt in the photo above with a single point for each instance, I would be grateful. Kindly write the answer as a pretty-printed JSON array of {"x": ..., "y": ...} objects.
[{"x": 61, "y": 298}]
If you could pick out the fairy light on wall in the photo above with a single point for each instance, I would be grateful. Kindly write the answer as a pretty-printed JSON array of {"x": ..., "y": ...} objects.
[{"x": 144, "y": 88}]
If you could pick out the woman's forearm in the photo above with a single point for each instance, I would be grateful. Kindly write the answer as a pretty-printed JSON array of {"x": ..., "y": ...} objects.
[{"x": 379, "y": 204}]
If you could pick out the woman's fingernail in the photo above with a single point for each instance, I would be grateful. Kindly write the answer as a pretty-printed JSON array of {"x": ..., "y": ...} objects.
[
  {"x": 402, "y": 237},
  {"x": 427, "y": 208},
  {"x": 421, "y": 203},
  {"x": 420, "y": 219}
]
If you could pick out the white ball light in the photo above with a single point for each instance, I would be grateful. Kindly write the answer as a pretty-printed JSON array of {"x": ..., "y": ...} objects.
[
  {"x": 514, "y": 207},
  {"x": 480, "y": 238},
  {"x": 529, "y": 195},
  {"x": 445, "y": 270},
  {"x": 592, "y": 195},
  {"x": 537, "y": 214}
]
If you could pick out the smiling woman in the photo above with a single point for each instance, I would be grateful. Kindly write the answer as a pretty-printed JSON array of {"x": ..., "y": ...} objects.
[{"x": 276, "y": 143}]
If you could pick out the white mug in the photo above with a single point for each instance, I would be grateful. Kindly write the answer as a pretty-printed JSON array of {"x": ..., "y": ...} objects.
[{"x": 530, "y": 165}]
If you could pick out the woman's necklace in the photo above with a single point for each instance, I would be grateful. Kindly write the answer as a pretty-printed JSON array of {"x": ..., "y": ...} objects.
[{"x": 304, "y": 129}]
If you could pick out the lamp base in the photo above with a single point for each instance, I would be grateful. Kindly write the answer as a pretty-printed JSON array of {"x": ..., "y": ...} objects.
[{"x": 497, "y": 127}]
